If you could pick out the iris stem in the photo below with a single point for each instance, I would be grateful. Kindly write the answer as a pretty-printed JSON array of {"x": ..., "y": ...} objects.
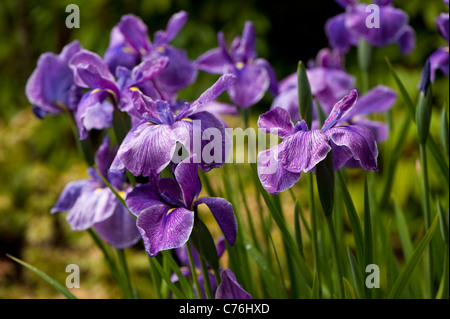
[
  {"x": 314, "y": 234},
  {"x": 335, "y": 256},
  {"x": 193, "y": 270},
  {"x": 128, "y": 290},
  {"x": 427, "y": 216},
  {"x": 208, "y": 289}
]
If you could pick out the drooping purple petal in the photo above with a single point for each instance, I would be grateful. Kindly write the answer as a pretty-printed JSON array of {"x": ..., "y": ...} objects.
[
  {"x": 119, "y": 53},
  {"x": 147, "y": 148},
  {"x": 162, "y": 227},
  {"x": 377, "y": 100},
  {"x": 303, "y": 150},
  {"x": 251, "y": 84},
  {"x": 50, "y": 84},
  {"x": 119, "y": 230},
  {"x": 94, "y": 205},
  {"x": 274, "y": 178},
  {"x": 69, "y": 195},
  {"x": 94, "y": 112},
  {"x": 229, "y": 288},
  {"x": 223, "y": 212},
  {"x": 143, "y": 197},
  {"x": 186, "y": 174},
  {"x": 407, "y": 40},
  {"x": 357, "y": 141},
  {"x": 147, "y": 70},
  {"x": 277, "y": 119}
]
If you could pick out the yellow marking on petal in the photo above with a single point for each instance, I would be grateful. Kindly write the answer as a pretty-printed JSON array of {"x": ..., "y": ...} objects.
[
  {"x": 143, "y": 51},
  {"x": 187, "y": 119},
  {"x": 98, "y": 190},
  {"x": 240, "y": 65},
  {"x": 446, "y": 49},
  {"x": 134, "y": 88},
  {"x": 170, "y": 210},
  {"x": 160, "y": 49},
  {"x": 113, "y": 94},
  {"x": 95, "y": 91},
  {"x": 121, "y": 194},
  {"x": 127, "y": 49}
]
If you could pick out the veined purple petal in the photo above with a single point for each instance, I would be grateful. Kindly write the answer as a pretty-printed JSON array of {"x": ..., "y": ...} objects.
[
  {"x": 147, "y": 148},
  {"x": 69, "y": 195},
  {"x": 119, "y": 230},
  {"x": 439, "y": 60},
  {"x": 252, "y": 82},
  {"x": 143, "y": 197},
  {"x": 274, "y": 178},
  {"x": 135, "y": 33},
  {"x": 229, "y": 288},
  {"x": 221, "y": 85},
  {"x": 279, "y": 119},
  {"x": 162, "y": 227},
  {"x": 357, "y": 140},
  {"x": 303, "y": 150},
  {"x": 223, "y": 212},
  {"x": 186, "y": 174},
  {"x": 377, "y": 100},
  {"x": 70, "y": 50},
  {"x": 94, "y": 205},
  {"x": 94, "y": 112},
  {"x": 340, "y": 110},
  {"x": 213, "y": 61}
]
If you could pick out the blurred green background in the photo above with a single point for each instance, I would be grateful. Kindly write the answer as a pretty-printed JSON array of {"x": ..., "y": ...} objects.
[{"x": 38, "y": 157}]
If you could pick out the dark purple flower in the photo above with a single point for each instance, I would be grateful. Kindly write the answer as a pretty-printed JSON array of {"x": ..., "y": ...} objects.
[
  {"x": 150, "y": 145},
  {"x": 95, "y": 110},
  {"x": 229, "y": 287},
  {"x": 51, "y": 88},
  {"x": 91, "y": 203},
  {"x": 345, "y": 30},
  {"x": 165, "y": 209},
  {"x": 279, "y": 167},
  {"x": 439, "y": 59},
  {"x": 130, "y": 45},
  {"x": 253, "y": 76}
]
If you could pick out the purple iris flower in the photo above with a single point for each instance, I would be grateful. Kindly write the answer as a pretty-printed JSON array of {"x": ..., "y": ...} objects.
[
  {"x": 91, "y": 203},
  {"x": 165, "y": 209},
  {"x": 345, "y": 30},
  {"x": 328, "y": 81},
  {"x": 95, "y": 110},
  {"x": 439, "y": 60},
  {"x": 254, "y": 76},
  {"x": 151, "y": 144},
  {"x": 51, "y": 87},
  {"x": 130, "y": 45},
  {"x": 279, "y": 167}
]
